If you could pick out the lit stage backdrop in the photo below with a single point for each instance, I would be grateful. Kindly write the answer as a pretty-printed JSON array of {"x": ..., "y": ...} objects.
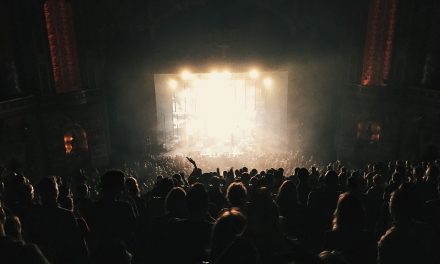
[{"x": 222, "y": 113}]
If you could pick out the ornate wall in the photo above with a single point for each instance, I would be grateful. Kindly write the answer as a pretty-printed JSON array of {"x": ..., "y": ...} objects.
[
  {"x": 402, "y": 102},
  {"x": 43, "y": 92}
]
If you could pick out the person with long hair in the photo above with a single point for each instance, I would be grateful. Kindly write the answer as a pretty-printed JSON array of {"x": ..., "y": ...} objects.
[{"x": 348, "y": 235}]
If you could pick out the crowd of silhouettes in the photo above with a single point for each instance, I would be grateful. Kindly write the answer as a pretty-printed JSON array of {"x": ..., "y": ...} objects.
[{"x": 386, "y": 214}]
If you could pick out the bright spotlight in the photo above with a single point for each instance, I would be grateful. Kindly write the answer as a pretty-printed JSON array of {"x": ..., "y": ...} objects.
[
  {"x": 227, "y": 73},
  {"x": 172, "y": 83},
  {"x": 186, "y": 75},
  {"x": 254, "y": 74},
  {"x": 267, "y": 82}
]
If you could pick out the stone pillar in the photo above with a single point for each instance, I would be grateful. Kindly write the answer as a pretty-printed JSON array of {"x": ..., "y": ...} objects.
[
  {"x": 62, "y": 45},
  {"x": 379, "y": 42}
]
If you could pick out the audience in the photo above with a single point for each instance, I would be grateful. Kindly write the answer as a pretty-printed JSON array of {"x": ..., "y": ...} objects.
[{"x": 183, "y": 214}]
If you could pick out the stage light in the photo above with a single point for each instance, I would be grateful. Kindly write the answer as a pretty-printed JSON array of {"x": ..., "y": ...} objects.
[
  {"x": 267, "y": 82},
  {"x": 186, "y": 75},
  {"x": 172, "y": 83},
  {"x": 227, "y": 73},
  {"x": 216, "y": 112},
  {"x": 254, "y": 74}
]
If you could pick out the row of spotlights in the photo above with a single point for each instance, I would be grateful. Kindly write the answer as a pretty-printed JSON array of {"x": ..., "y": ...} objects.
[
  {"x": 266, "y": 81},
  {"x": 186, "y": 74}
]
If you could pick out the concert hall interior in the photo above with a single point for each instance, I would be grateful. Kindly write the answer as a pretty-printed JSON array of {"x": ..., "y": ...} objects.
[{"x": 329, "y": 105}]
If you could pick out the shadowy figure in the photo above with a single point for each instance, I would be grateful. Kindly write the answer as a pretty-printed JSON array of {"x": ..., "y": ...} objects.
[
  {"x": 348, "y": 235},
  {"x": 55, "y": 229},
  {"x": 25, "y": 208},
  {"x": 190, "y": 237},
  {"x": 83, "y": 203},
  {"x": 65, "y": 197},
  {"x": 263, "y": 233},
  {"x": 216, "y": 198},
  {"x": 12, "y": 248},
  {"x": 236, "y": 195},
  {"x": 137, "y": 203},
  {"x": 407, "y": 241},
  {"x": 320, "y": 206},
  {"x": 303, "y": 189},
  {"x": 111, "y": 219},
  {"x": 291, "y": 213},
  {"x": 226, "y": 229}
]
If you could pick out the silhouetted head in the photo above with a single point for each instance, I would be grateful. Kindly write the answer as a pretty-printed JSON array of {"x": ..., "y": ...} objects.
[
  {"x": 175, "y": 202},
  {"x": 377, "y": 180},
  {"x": 343, "y": 170},
  {"x": 287, "y": 196},
  {"x": 418, "y": 172},
  {"x": 402, "y": 203},
  {"x": 331, "y": 179},
  {"x": 230, "y": 224},
  {"x": 432, "y": 172},
  {"x": 132, "y": 186},
  {"x": 65, "y": 198},
  {"x": 204, "y": 178},
  {"x": 369, "y": 178},
  {"x": 82, "y": 191},
  {"x": 267, "y": 180},
  {"x": 396, "y": 178},
  {"x": 48, "y": 190},
  {"x": 177, "y": 177},
  {"x": 13, "y": 228},
  {"x": 262, "y": 213},
  {"x": 280, "y": 172},
  {"x": 245, "y": 177},
  {"x": 354, "y": 184},
  {"x": 253, "y": 182},
  {"x": 164, "y": 186},
  {"x": 303, "y": 175},
  {"x": 26, "y": 193},
  {"x": 236, "y": 194},
  {"x": 214, "y": 183},
  {"x": 112, "y": 183},
  {"x": 349, "y": 214},
  {"x": 197, "y": 200}
]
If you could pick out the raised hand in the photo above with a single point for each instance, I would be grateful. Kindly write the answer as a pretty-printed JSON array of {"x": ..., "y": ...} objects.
[{"x": 191, "y": 161}]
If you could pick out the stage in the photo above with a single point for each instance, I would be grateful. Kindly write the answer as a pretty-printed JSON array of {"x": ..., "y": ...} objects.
[{"x": 222, "y": 112}]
